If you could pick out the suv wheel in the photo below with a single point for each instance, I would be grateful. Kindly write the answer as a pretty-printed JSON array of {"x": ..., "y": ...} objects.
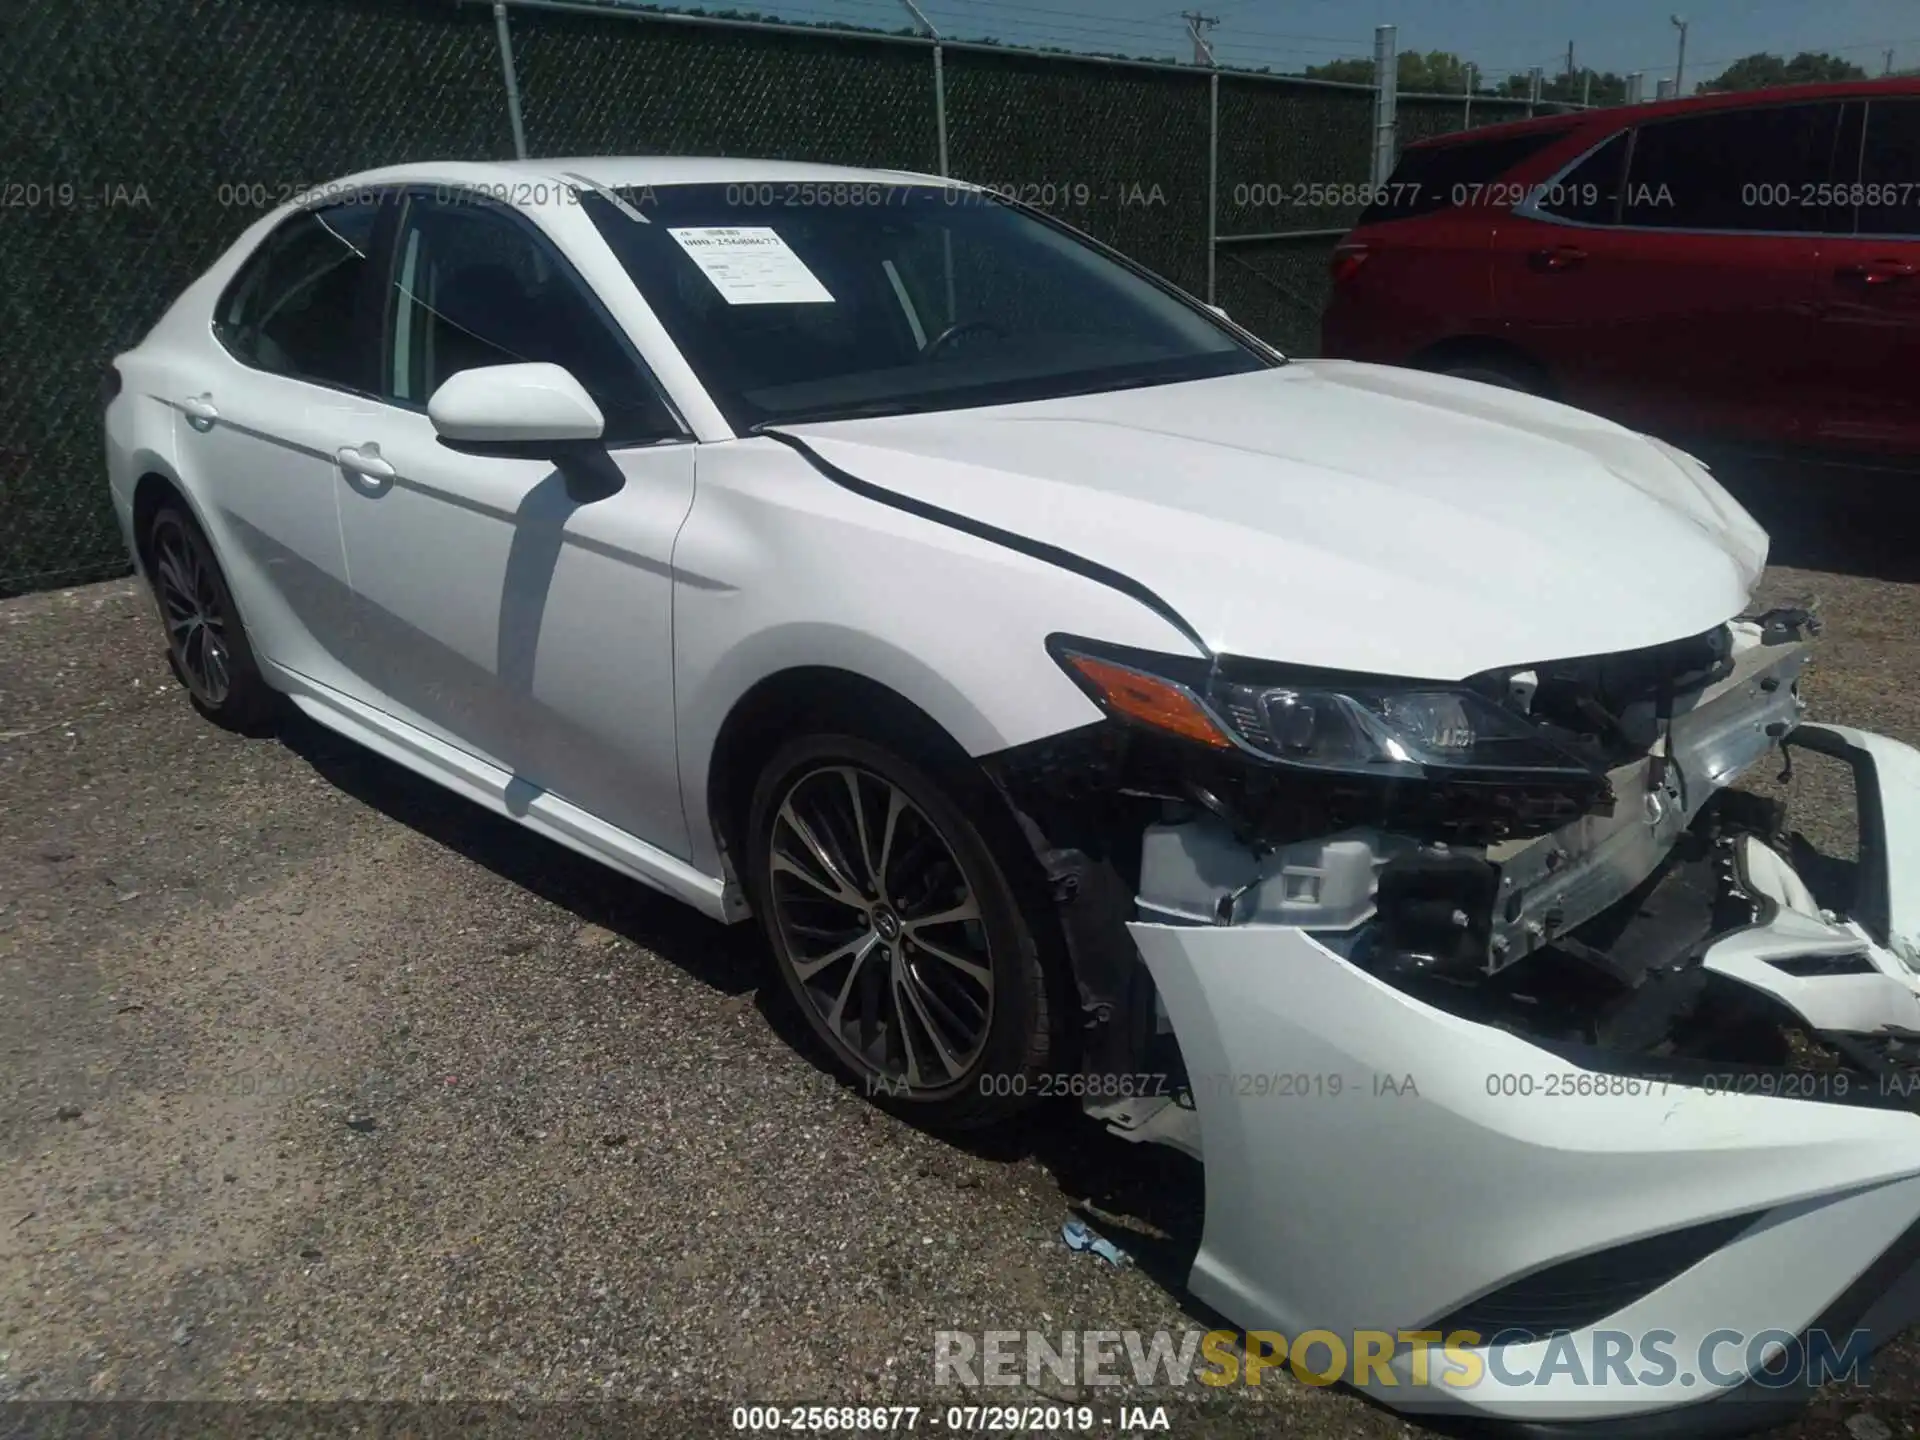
[
  {"x": 1508, "y": 374},
  {"x": 896, "y": 931},
  {"x": 206, "y": 643}
]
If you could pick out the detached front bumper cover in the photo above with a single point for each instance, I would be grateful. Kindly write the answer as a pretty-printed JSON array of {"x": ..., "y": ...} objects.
[{"x": 1375, "y": 1163}]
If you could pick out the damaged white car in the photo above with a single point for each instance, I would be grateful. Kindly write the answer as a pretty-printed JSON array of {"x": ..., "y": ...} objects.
[{"x": 1317, "y": 767}]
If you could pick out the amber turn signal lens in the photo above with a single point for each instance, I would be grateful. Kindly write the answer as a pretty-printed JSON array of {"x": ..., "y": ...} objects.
[{"x": 1150, "y": 701}]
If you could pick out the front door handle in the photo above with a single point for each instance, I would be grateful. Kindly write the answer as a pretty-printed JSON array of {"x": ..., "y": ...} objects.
[
  {"x": 1875, "y": 272},
  {"x": 1558, "y": 257},
  {"x": 364, "y": 460},
  {"x": 199, "y": 411}
]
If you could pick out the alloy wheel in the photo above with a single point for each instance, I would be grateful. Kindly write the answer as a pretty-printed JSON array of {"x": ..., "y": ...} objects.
[
  {"x": 196, "y": 622},
  {"x": 882, "y": 928}
]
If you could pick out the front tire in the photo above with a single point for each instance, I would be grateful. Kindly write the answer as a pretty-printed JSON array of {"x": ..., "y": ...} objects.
[
  {"x": 897, "y": 933},
  {"x": 206, "y": 641}
]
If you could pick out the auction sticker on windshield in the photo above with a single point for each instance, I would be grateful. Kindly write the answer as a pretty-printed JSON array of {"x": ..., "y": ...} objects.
[{"x": 751, "y": 265}]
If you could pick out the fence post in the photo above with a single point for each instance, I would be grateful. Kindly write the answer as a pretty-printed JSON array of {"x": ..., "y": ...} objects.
[
  {"x": 940, "y": 101},
  {"x": 1213, "y": 180},
  {"x": 939, "y": 77},
  {"x": 514, "y": 117},
  {"x": 1386, "y": 90}
]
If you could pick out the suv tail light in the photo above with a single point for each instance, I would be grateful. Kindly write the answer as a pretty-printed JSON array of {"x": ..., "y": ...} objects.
[{"x": 1347, "y": 260}]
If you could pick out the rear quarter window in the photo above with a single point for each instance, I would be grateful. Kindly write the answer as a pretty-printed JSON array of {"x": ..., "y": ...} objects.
[{"x": 1431, "y": 178}]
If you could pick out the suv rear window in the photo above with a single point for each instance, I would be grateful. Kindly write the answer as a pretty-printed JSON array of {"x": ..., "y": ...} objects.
[{"x": 1430, "y": 178}]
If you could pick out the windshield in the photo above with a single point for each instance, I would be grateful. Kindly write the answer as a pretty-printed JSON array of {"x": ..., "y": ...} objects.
[{"x": 816, "y": 302}]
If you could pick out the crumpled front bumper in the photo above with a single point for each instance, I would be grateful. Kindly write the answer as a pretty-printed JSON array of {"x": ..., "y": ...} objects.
[{"x": 1376, "y": 1164}]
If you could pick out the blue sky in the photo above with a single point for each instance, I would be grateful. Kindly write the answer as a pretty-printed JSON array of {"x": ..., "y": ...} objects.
[{"x": 1498, "y": 35}]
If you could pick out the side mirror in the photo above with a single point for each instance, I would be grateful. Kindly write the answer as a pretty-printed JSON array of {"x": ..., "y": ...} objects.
[{"x": 529, "y": 412}]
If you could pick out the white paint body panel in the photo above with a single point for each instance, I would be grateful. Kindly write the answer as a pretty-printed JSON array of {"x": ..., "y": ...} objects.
[{"x": 1348, "y": 516}]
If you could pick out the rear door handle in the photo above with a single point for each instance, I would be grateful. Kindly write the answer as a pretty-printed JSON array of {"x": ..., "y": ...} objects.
[
  {"x": 199, "y": 411},
  {"x": 364, "y": 460},
  {"x": 1558, "y": 257},
  {"x": 1875, "y": 272}
]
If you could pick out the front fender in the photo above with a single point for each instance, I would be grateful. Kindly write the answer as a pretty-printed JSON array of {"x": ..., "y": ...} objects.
[{"x": 779, "y": 568}]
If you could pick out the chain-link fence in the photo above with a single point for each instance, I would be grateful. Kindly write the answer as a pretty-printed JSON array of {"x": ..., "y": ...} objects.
[{"x": 144, "y": 135}]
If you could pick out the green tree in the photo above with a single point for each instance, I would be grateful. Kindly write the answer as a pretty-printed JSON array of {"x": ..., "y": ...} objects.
[
  {"x": 1440, "y": 72},
  {"x": 1436, "y": 71},
  {"x": 1350, "y": 72},
  {"x": 1806, "y": 68}
]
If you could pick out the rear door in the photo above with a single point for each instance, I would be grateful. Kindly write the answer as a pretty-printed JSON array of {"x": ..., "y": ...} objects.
[
  {"x": 1669, "y": 277},
  {"x": 1866, "y": 345},
  {"x": 263, "y": 414}
]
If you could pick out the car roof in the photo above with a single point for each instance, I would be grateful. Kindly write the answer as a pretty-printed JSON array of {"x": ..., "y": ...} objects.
[
  {"x": 620, "y": 172},
  {"x": 1616, "y": 116}
]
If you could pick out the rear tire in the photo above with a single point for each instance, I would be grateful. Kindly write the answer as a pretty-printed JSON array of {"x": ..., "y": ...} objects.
[
  {"x": 897, "y": 932},
  {"x": 206, "y": 639}
]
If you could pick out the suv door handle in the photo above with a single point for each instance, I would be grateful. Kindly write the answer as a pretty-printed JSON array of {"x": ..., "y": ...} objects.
[
  {"x": 1875, "y": 272},
  {"x": 364, "y": 460},
  {"x": 1558, "y": 257},
  {"x": 199, "y": 411}
]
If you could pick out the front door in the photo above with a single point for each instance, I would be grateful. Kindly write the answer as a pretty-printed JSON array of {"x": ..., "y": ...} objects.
[{"x": 527, "y": 625}]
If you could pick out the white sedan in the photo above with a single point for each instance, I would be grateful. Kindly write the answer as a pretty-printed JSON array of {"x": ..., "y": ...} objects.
[{"x": 1317, "y": 767}]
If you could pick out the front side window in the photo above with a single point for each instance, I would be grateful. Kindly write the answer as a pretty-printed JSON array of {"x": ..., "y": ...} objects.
[
  {"x": 473, "y": 286},
  {"x": 830, "y": 301},
  {"x": 296, "y": 308},
  {"x": 1756, "y": 170},
  {"x": 1890, "y": 169}
]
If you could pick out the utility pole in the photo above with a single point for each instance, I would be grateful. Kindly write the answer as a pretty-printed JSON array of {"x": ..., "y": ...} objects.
[
  {"x": 1889, "y": 69},
  {"x": 1586, "y": 92},
  {"x": 1466, "y": 122},
  {"x": 1569, "y": 60},
  {"x": 1386, "y": 103},
  {"x": 1197, "y": 26},
  {"x": 1680, "y": 64}
]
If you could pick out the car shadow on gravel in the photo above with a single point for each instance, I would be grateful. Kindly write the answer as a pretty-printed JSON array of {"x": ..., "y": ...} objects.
[
  {"x": 1843, "y": 517},
  {"x": 1148, "y": 1199},
  {"x": 726, "y": 958}
]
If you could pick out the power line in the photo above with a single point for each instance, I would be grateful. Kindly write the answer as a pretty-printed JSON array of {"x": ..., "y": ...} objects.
[{"x": 1100, "y": 20}]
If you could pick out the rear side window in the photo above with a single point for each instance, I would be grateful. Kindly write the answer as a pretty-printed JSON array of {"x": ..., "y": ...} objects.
[
  {"x": 296, "y": 309},
  {"x": 1589, "y": 193},
  {"x": 1890, "y": 169},
  {"x": 1430, "y": 178},
  {"x": 1760, "y": 170}
]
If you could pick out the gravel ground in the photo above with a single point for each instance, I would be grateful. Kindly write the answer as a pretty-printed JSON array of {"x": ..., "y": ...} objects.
[{"x": 317, "y": 1084}]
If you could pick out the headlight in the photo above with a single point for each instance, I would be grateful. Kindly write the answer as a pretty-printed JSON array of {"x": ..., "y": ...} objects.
[{"x": 1411, "y": 729}]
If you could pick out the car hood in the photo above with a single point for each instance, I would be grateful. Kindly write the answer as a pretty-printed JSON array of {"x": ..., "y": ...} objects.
[{"x": 1351, "y": 516}]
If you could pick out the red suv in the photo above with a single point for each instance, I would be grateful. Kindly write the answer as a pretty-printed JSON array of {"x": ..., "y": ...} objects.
[{"x": 1739, "y": 265}]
